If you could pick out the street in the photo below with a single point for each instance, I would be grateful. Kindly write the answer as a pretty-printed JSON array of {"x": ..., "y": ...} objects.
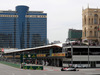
[{"x": 8, "y": 70}]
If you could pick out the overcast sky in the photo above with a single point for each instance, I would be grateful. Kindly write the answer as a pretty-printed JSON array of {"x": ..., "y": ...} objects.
[{"x": 61, "y": 14}]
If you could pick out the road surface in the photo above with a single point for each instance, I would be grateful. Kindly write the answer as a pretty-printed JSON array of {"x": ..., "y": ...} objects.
[{"x": 8, "y": 70}]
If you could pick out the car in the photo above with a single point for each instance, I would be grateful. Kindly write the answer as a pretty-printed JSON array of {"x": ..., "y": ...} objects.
[
  {"x": 68, "y": 69},
  {"x": 80, "y": 66},
  {"x": 84, "y": 66}
]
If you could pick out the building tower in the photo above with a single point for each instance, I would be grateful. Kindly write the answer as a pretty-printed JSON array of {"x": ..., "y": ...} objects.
[
  {"x": 21, "y": 11},
  {"x": 91, "y": 25}
]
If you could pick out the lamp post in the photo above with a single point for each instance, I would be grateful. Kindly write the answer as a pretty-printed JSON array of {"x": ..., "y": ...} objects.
[
  {"x": 72, "y": 54},
  {"x": 88, "y": 55}
]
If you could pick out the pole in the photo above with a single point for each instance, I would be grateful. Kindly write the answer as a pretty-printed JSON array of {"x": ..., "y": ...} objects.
[
  {"x": 98, "y": 35},
  {"x": 72, "y": 54},
  {"x": 23, "y": 57},
  {"x": 88, "y": 55}
]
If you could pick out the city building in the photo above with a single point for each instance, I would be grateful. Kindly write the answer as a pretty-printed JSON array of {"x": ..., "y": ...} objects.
[
  {"x": 68, "y": 54},
  {"x": 23, "y": 28},
  {"x": 74, "y": 34},
  {"x": 83, "y": 55},
  {"x": 91, "y": 24},
  {"x": 62, "y": 54}
]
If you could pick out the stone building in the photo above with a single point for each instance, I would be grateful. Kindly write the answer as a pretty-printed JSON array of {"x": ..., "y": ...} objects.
[{"x": 91, "y": 24}]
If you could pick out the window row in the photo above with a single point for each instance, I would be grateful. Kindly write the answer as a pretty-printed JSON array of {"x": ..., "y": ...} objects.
[
  {"x": 8, "y": 15},
  {"x": 36, "y": 16},
  {"x": 91, "y": 21}
]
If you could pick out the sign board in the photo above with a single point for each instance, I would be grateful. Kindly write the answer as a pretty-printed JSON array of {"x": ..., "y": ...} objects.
[
  {"x": 41, "y": 55},
  {"x": 58, "y": 54},
  {"x": 29, "y": 56}
]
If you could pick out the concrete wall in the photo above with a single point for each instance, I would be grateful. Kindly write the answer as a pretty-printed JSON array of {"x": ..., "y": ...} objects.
[
  {"x": 97, "y": 65},
  {"x": 94, "y": 58},
  {"x": 85, "y": 58},
  {"x": 80, "y": 58}
]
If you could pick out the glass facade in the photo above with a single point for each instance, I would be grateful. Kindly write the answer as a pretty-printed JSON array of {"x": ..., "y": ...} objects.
[
  {"x": 23, "y": 28},
  {"x": 74, "y": 34}
]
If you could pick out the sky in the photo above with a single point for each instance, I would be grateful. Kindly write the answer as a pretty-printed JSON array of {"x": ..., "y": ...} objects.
[{"x": 61, "y": 14}]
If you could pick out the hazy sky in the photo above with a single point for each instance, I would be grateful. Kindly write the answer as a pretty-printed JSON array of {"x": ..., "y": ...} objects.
[{"x": 61, "y": 14}]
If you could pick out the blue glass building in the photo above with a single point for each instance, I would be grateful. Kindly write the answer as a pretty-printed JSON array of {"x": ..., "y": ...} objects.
[{"x": 23, "y": 28}]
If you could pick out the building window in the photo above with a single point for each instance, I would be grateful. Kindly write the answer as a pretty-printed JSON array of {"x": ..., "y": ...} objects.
[
  {"x": 95, "y": 33},
  {"x": 92, "y": 20},
  {"x": 85, "y": 20},
  {"x": 90, "y": 33},
  {"x": 85, "y": 32},
  {"x": 95, "y": 28},
  {"x": 95, "y": 19},
  {"x": 89, "y": 20}
]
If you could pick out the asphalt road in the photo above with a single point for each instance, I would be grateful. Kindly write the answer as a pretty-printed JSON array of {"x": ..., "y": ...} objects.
[{"x": 8, "y": 70}]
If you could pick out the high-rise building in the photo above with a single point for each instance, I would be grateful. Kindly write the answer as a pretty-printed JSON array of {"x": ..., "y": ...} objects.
[
  {"x": 23, "y": 28},
  {"x": 91, "y": 24},
  {"x": 74, "y": 34}
]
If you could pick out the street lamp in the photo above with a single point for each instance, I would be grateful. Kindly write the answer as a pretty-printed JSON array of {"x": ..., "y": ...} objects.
[{"x": 72, "y": 54}]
